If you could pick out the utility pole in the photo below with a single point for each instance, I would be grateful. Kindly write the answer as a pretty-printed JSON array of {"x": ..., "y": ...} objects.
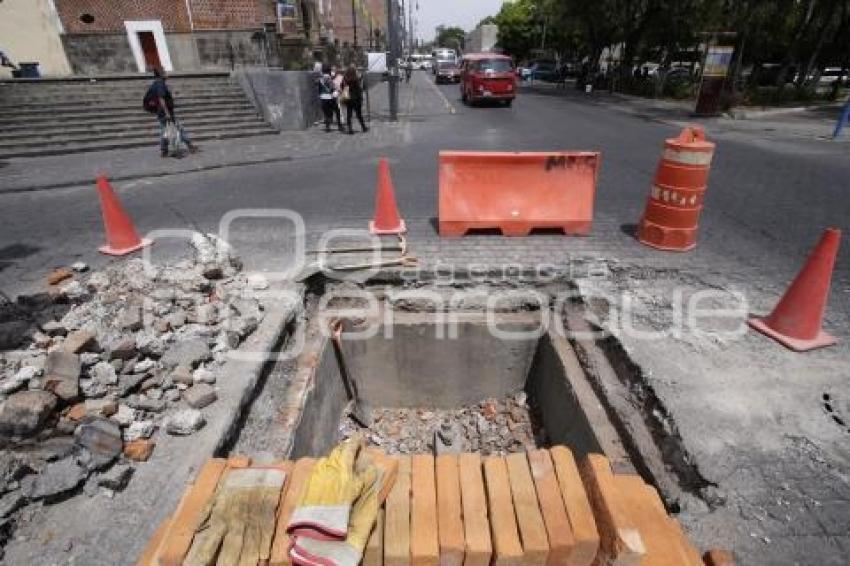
[
  {"x": 354, "y": 24},
  {"x": 394, "y": 54},
  {"x": 403, "y": 25}
]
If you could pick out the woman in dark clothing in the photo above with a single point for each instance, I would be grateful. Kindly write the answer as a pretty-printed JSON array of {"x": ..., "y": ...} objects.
[{"x": 352, "y": 97}]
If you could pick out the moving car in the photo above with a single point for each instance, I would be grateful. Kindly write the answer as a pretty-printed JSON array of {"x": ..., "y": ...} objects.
[
  {"x": 487, "y": 76},
  {"x": 443, "y": 55},
  {"x": 448, "y": 72}
]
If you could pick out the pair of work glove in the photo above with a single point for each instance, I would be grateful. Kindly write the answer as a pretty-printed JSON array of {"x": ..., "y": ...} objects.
[
  {"x": 238, "y": 524},
  {"x": 339, "y": 507}
]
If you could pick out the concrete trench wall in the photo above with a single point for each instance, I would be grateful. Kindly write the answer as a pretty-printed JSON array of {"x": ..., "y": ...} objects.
[{"x": 414, "y": 368}]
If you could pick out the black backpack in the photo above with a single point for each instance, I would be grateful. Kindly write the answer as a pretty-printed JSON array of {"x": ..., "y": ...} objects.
[{"x": 151, "y": 101}]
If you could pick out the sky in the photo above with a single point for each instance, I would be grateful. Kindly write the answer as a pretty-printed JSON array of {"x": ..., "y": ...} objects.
[{"x": 461, "y": 13}]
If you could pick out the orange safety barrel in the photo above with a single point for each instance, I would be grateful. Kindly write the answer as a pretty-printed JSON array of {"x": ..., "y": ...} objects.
[
  {"x": 671, "y": 219},
  {"x": 517, "y": 192}
]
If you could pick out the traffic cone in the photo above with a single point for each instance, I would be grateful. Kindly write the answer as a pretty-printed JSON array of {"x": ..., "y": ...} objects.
[
  {"x": 796, "y": 320},
  {"x": 387, "y": 219},
  {"x": 121, "y": 236}
]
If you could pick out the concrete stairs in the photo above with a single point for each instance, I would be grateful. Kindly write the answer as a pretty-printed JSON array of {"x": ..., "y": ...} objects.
[{"x": 61, "y": 116}]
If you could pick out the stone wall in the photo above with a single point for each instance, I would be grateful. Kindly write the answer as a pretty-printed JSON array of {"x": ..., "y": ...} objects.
[
  {"x": 287, "y": 99},
  {"x": 98, "y": 54}
]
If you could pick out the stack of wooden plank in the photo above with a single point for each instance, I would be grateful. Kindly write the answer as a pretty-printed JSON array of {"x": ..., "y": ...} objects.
[{"x": 539, "y": 507}]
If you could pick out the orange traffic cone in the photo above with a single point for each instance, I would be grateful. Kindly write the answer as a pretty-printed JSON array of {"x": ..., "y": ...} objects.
[
  {"x": 387, "y": 219},
  {"x": 796, "y": 320},
  {"x": 121, "y": 236}
]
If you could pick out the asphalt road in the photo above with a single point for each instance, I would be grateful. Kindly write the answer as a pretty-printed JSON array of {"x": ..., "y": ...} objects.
[{"x": 768, "y": 200}]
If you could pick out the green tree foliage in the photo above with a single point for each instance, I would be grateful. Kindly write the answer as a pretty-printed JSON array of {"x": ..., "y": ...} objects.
[
  {"x": 451, "y": 37},
  {"x": 776, "y": 41}
]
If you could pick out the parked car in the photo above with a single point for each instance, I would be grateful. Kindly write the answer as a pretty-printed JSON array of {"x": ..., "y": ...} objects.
[
  {"x": 487, "y": 76},
  {"x": 448, "y": 72},
  {"x": 544, "y": 71}
]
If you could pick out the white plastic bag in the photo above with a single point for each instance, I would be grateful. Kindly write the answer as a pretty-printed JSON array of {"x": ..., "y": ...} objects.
[{"x": 172, "y": 136}]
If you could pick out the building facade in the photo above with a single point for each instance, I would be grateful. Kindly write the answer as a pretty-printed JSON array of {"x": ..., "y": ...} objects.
[
  {"x": 88, "y": 37},
  {"x": 31, "y": 31}
]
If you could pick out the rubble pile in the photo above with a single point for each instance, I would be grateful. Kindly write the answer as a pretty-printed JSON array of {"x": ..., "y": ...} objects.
[
  {"x": 492, "y": 427},
  {"x": 112, "y": 359}
]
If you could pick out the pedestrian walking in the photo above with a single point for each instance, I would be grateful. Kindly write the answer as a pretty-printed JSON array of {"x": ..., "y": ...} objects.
[
  {"x": 352, "y": 97},
  {"x": 158, "y": 100},
  {"x": 842, "y": 120},
  {"x": 328, "y": 99},
  {"x": 337, "y": 79}
]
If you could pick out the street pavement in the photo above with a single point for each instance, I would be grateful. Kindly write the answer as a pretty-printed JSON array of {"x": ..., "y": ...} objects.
[{"x": 750, "y": 414}]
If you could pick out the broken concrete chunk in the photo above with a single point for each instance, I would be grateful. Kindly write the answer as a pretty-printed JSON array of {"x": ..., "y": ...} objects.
[
  {"x": 200, "y": 395},
  {"x": 79, "y": 267},
  {"x": 124, "y": 416},
  {"x": 19, "y": 379},
  {"x": 176, "y": 320},
  {"x": 24, "y": 413},
  {"x": 104, "y": 373},
  {"x": 183, "y": 375},
  {"x": 80, "y": 341},
  {"x": 54, "y": 328},
  {"x": 144, "y": 404},
  {"x": 123, "y": 349},
  {"x": 139, "y": 429},
  {"x": 100, "y": 407},
  {"x": 98, "y": 281},
  {"x": 185, "y": 422},
  {"x": 139, "y": 450},
  {"x": 11, "y": 502},
  {"x": 100, "y": 436},
  {"x": 129, "y": 383},
  {"x": 143, "y": 366},
  {"x": 73, "y": 290},
  {"x": 189, "y": 353},
  {"x": 131, "y": 319},
  {"x": 116, "y": 478},
  {"x": 203, "y": 375},
  {"x": 56, "y": 479}
]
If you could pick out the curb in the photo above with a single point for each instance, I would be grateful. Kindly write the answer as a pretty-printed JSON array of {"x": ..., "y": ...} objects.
[{"x": 744, "y": 114}]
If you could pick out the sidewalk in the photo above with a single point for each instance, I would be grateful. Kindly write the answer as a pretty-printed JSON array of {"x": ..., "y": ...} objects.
[
  {"x": 20, "y": 175},
  {"x": 811, "y": 123}
]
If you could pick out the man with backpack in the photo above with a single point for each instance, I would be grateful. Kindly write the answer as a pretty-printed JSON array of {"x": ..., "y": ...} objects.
[{"x": 158, "y": 100}]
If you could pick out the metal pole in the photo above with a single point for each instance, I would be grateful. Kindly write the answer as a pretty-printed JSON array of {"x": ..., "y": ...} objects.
[
  {"x": 403, "y": 25},
  {"x": 354, "y": 25},
  {"x": 392, "y": 64}
]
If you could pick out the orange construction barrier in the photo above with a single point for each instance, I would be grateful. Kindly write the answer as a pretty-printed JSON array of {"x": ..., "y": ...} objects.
[
  {"x": 387, "y": 219},
  {"x": 671, "y": 219},
  {"x": 121, "y": 236},
  {"x": 796, "y": 321},
  {"x": 517, "y": 192}
]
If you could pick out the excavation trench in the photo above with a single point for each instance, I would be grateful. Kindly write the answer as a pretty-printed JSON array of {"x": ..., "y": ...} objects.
[{"x": 437, "y": 382}]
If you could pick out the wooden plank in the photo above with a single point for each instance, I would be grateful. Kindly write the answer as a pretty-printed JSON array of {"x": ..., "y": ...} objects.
[
  {"x": 719, "y": 558},
  {"x": 532, "y": 530},
  {"x": 374, "y": 553},
  {"x": 663, "y": 546},
  {"x": 620, "y": 540},
  {"x": 506, "y": 545},
  {"x": 294, "y": 487},
  {"x": 577, "y": 504},
  {"x": 561, "y": 539},
  {"x": 397, "y": 518},
  {"x": 691, "y": 551},
  {"x": 449, "y": 511},
  {"x": 190, "y": 513},
  {"x": 151, "y": 551},
  {"x": 424, "y": 541},
  {"x": 476, "y": 523}
]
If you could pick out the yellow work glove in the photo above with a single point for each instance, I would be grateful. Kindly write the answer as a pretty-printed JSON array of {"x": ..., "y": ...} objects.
[
  {"x": 239, "y": 523},
  {"x": 325, "y": 506},
  {"x": 307, "y": 551}
]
